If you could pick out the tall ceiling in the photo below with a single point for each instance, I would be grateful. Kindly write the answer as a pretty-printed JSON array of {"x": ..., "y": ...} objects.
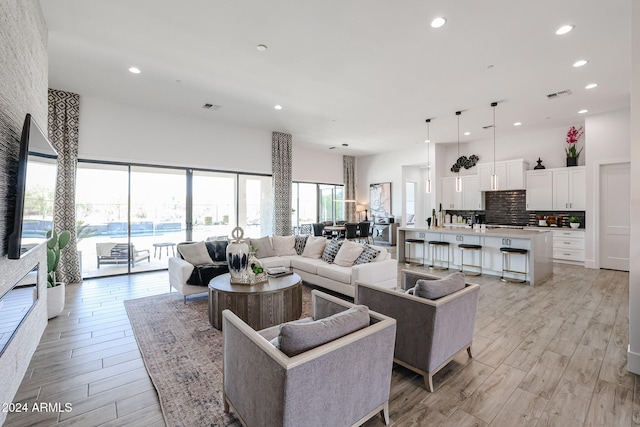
[{"x": 366, "y": 73}]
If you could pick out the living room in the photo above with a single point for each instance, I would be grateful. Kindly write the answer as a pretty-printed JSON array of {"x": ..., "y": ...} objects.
[{"x": 112, "y": 131}]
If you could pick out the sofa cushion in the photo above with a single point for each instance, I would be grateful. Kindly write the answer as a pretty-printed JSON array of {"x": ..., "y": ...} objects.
[
  {"x": 296, "y": 338},
  {"x": 194, "y": 253},
  {"x": 275, "y": 261},
  {"x": 368, "y": 254},
  {"x": 301, "y": 241},
  {"x": 434, "y": 289},
  {"x": 335, "y": 272},
  {"x": 217, "y": 249},
  {"x": 331, "y": 250},
  {"x": 314, "y": 247},
  {"x": 262, "y": 246},
  {"x": 348, "y": 253},
  {"x": 284, "y": 245},
  {"x": 309, "y": 265}
]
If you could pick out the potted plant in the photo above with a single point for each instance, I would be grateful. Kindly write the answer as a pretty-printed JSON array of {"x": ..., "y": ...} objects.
[
  {"x": 573, "y": 135},
  {"x": 574, "y": 222},
  {"x": 55, "y": 289}
]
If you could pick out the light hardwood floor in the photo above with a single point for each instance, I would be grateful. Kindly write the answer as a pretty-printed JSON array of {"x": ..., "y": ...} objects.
[{"x": 553, "y": 354}]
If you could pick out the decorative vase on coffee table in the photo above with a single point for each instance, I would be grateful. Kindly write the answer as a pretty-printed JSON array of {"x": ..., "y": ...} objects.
[{"x": 238, "y": 256}]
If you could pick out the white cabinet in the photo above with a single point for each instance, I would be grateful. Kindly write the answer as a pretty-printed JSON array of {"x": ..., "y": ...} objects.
[
  {"x": 568, "y": 245},
  {"x": 570, "y": 188},
  {"x": 451, "y": 199},
  {"x": 539, "y": 186},
  {"x": 510, "y": 174},
  {"x": 470, "y": 198}
]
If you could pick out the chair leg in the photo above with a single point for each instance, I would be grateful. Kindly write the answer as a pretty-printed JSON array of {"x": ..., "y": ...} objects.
[
  {"x": 469, "y": 352},
  {"x": 225, "y": 404},
  {"x": 428, "y": 382},
  {"x": 385, "y": 413},
  {"x": 185, "y": 299}
]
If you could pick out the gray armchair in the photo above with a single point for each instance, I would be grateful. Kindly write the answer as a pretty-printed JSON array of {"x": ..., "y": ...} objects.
[
  {"x": 430, "y": 332},
  {"x": 341, "y": 383}
]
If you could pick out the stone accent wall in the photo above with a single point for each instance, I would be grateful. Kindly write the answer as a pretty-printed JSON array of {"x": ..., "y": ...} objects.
[{"x": 23, "y": 89}]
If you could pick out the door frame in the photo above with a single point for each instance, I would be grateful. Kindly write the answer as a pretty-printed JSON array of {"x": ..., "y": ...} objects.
[{"x": 595, "y": 220}]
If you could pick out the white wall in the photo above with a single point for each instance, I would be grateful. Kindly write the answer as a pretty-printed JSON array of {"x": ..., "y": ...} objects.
[
  {"x": 633, "y": 355},
  {"x": 118, "y": 132}
]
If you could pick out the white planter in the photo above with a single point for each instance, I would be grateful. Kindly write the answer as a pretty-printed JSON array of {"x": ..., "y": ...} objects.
[
  {"x": 55, "y": 300},
  {"x": 574, "y": 224}
]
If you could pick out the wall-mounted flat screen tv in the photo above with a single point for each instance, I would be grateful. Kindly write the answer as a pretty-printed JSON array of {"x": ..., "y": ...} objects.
[{"x": 33, "y": 215}]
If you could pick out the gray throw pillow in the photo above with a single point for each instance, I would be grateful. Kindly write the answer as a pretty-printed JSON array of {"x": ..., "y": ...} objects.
[
  {"x": 434, "y": 289},
  {"x": 368, "y": 254},
  {"x": 331, "y": 250},
  {"x": 263, "y": 247},
  {"x": 296, "y": 338}
]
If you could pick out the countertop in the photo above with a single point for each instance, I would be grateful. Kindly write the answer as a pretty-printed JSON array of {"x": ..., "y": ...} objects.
[{"x": 496, "y": 232}]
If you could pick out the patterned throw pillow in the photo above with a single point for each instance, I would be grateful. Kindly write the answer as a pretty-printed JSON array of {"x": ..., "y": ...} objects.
[
  {"x": 301, "y": 241},
  {"x": 368, "y": 254},
  {"x": 331, "y": 250}
]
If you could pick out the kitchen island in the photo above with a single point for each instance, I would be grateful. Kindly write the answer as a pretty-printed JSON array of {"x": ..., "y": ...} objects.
[{"x": 538, "y": 243}]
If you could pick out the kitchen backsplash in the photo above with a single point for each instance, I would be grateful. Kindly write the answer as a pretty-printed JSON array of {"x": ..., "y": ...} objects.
[{"x": 506, "y": 207}]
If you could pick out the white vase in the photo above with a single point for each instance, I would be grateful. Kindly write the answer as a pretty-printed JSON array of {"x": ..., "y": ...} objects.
[
  {"x": 237, "y": 256},
  {"x": 55, "y": 300},
  {"x": 574, "y": 224}
]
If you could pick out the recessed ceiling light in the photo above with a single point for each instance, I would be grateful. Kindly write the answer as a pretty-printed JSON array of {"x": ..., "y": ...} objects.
[
  {"x": 426, "y": 141},
  {"x": 438, "y": 22},
  {"x": 583, "y": 111},
  {"x": 134, "y": 70},
  {"x": 262, "y": 47},
  {"x": 564, "y": 29},
  {"x": 517, "y": 124},
  {"x": 580, "y": 63},
  {"x": 591, "y": 85},
  {"x": 467, "y": 133},
  {"x": 278, "y": 107}
]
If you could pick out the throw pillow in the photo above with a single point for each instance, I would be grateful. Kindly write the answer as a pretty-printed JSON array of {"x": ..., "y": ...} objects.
[
  {"x": 434, "y": 289},
  {"x": 217, "y": 249},
  {"x": 301, "y": 241},
  {"x": 331, "y": 250},
  {"x": 263, "y": 247},
  {"x": 195, "y": 253},
  {"x": 368, "y": 254},
  {"x": 296, "y": 338},
  {"x": 347, "y": 254},
  {"x": 314, "y": 247},
  {"x": 284, "y": 245}
]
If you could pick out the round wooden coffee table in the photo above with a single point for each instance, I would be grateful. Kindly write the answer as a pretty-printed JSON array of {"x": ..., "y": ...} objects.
[{"x": 263, "y": 305}]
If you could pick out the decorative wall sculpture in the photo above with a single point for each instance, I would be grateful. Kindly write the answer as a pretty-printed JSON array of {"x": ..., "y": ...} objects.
[{"x": 465, "y": 162}]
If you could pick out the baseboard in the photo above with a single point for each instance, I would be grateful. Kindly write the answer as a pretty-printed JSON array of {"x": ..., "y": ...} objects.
[{"x": 633, "y": 361}]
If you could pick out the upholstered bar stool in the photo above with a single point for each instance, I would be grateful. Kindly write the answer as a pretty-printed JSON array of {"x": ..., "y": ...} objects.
[
  {"x": 413, "y": 243},
  {"x": 506, "y": 260},
  {"x": 434, "y": 245},
  {"x": 464, "y": 247}
]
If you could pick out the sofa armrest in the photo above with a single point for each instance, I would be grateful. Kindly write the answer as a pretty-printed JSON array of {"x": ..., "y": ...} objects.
[
  {"x": 375, "y": 272},
  {"x": 179, "y": 272}
]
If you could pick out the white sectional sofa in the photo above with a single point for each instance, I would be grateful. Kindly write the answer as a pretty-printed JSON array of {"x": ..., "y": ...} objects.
[{"x": 382, "y": 270}]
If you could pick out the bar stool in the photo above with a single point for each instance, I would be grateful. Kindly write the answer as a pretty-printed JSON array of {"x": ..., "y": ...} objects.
[
  {"x": 469, "y": 247},
  {"x": 412, "y": 243},
  {"x": 433, "y": 246},
  {"x": 506, "y": 256}
]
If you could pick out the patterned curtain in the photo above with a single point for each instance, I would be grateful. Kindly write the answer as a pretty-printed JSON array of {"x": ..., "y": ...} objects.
[
  {"x": 64, "y": 112},
  {"x": 281, "y": 170},
  {"x": 349, "y": 176}
]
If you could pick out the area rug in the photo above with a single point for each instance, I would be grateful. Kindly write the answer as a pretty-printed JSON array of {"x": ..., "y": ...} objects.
[{"x": 183, "y": 355}]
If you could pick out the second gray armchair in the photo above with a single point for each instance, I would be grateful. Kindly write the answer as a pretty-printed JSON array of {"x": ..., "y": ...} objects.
[{"x": 429, "y": 332}]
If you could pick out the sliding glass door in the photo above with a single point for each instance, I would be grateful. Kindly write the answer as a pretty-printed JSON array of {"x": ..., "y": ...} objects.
[{"x": 214, "y": 204}]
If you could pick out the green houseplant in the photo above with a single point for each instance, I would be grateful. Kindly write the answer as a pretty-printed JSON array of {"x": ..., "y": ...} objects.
[
  {"x": 574, "y": 221},
  {"x": 55, "y": 289},
  {"x": 55, "y": 244}
]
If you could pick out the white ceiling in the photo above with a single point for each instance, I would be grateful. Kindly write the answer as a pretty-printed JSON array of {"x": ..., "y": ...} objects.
[{"x": 362, "y": 72}]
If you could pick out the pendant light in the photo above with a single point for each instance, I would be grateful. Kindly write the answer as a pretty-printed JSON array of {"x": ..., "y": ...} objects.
[
  {"x": 458, "y": 179},
  {"x": 428, "y": 141},
  {"x": 494, "y": 177}
]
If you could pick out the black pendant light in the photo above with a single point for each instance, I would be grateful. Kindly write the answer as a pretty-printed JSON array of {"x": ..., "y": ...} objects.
[
  {"x": 428, "y": 141},
  {"x": 494, "y": 176}
]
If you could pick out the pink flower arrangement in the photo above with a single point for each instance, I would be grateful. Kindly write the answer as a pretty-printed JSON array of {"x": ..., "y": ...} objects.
[{"x": 573, "y": 135}]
